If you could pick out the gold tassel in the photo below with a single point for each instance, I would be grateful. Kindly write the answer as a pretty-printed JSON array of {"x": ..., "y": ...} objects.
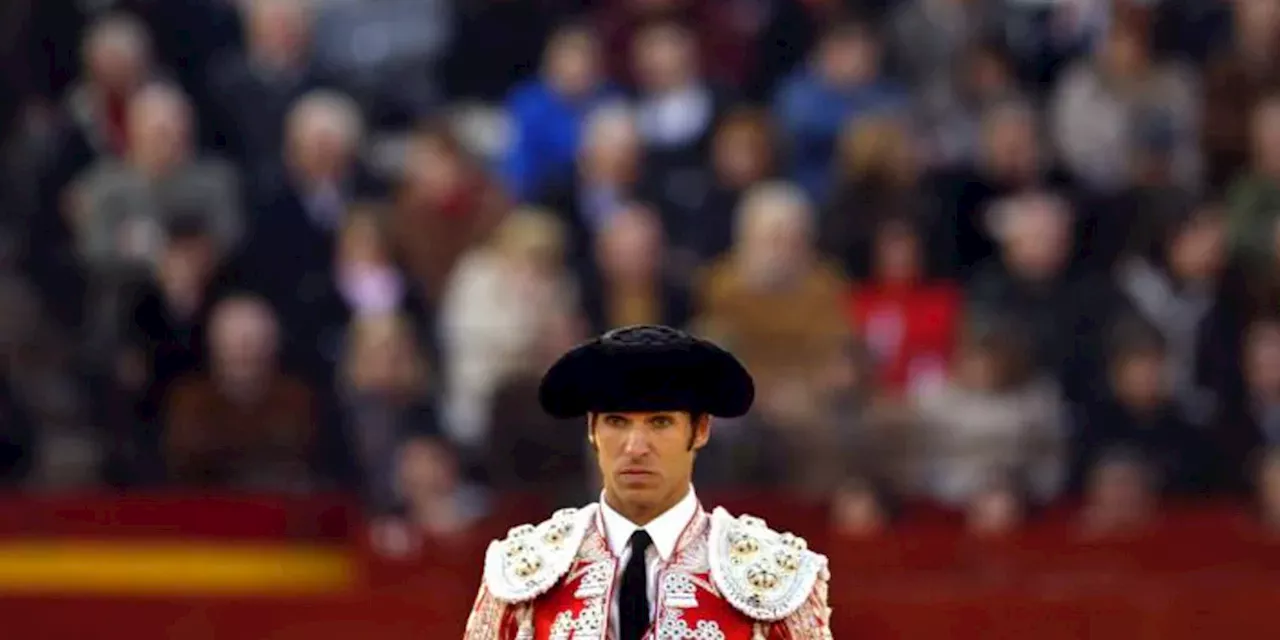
[{"x": 758, "y": 632}]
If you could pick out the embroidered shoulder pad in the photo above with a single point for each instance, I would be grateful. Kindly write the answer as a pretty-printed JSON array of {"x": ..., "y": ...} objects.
[
  {"x": 532, "y": 559},
  {"x": 764, "y": 574}
]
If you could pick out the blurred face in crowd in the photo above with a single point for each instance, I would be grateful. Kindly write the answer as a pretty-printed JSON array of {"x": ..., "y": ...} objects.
[
  {"x": 279, "y": 31},
  {"x": 436, "y": 168},
  {"x": 1010, "y": 145},
  {"x": 1035, "y": 238},
  {"x": 1262, "y": 360},
  {"x": 117, "y": 55},
  {"x": 774, "y": 241},
  {"x": 646, "y": 458},
  {"x": 664, "y": 58},
  {"x": 1198, "y": 250},
  {"x": 324, "y": 133},
  {"x": 857, "y": 510},
  {"x": 184, "y": 267},
  {"x": 385, "y": 356},
  {"x": 987, "y": 74},
  {"x": 994, "y": 510},
  {"x": 426, "y": 470},
  {"x": 1140, "y": 381},
  {"x": 1119, "y": 495},
  {"x": 573, "y": 62},
  {"x": 630, "y": 248},
  {"x": 742, "y": 152},
  {"x": 879, "y": 151},
  {"x": 1257, "y": 25},
  {"x": 849, "y": 58},
  {"x": 1266, "y": 138},
  {"x": 243, "y": 340},
  {"x": 530, "y": 244},
  {"x": 159, "y": 130},
  {"x": 611, "y": 150},
  {"x": 1125, "y": 54},
  {"x": 897, "y": 254}
]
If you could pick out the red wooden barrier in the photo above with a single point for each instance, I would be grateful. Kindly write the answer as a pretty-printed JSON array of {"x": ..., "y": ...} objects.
[{"x": 1204, "y": 573}]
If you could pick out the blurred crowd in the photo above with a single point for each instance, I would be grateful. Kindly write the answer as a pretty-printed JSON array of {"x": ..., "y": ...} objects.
[{"x": 985, "y": 254}]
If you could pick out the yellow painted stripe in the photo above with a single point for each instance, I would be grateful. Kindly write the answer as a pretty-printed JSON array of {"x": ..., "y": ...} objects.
[{"x": 132, "y": 567}]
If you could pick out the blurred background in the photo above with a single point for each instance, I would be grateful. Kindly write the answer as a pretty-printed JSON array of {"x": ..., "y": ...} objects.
[{"x": 279, "y": 278}]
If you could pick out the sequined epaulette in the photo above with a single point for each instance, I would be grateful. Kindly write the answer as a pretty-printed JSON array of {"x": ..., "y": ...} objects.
[
  {"x": 765, "y": 574},
  {"x": 533, "y": 558}
]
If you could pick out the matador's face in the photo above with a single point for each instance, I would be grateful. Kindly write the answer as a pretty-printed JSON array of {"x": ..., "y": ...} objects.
[{"x": 646, "y": 458}]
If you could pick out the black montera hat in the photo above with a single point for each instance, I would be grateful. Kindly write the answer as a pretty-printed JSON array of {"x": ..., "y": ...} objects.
[{"x": 647, "y": 368}]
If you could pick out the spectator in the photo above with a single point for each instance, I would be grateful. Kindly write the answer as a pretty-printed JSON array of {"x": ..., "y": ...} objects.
[
  {"x": 1029, "y": 282},
  {"x": 244, "y": 424},
  {"x": 1121, "y": 495},
  {"x": 1010, "y": 161},
  {"x": 291, "y": 248},
  {"x": 1140, "y": 415},
  {"x": 436, "y": 501},
  {"x": 773, "y": 298},
  {"x": 547, "y": 114},
  {"x": 722, "y": 40},
  {"x": 360, "y": 279},
  {"x": 446, "y": 204},
  {"x": 953, "y": 103},
  {"x": 927, "y": 36},
  {"x": 998, "y": 411},
  {"x": 386, "y": 394},
  {"x": 1236, "y": 80},
  {"x": 743, "y": 153},
  {"x": 528, "y": 451},
  {"x": 121, "y": 205},
  {"x": 251, "y": 91},
  {"x": 1189, "y": 292},
  {"x": 117, "y": 61},
  {"x": 1097, "y": 103},
  {"x": 860, "y": 509},
  {"x": 998, "y": 508},
  {"x": 1128, "y": 222},
  {"x": 676, "y": 108},
  {"x": 842, "y": 83},
  {"x": 634, "y": 283},
  {"x": 878, "y": 177},
  {"x": 492, "y": 311},
  {"x": 907, "y": 320},
  {"x": 165, "y": 332},
  {"x": 609, "y": 175}
]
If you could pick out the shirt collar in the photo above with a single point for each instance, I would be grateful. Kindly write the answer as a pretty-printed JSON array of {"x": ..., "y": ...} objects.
[{"x": 664, "y": 530}]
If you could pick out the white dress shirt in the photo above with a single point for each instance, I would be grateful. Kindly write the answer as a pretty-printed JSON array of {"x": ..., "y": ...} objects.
[{"x": 665, "y": 532}]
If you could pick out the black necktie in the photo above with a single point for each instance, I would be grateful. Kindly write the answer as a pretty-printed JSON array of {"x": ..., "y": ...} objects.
[{"x": 633, "y": 603}]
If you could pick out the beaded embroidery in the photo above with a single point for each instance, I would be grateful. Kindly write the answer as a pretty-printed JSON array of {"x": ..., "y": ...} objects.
[
  {"x": 765, "y": 574},
  {"x": 532, "y": 559}
]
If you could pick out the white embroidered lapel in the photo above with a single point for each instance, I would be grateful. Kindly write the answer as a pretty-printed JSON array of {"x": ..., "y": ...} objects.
[{"x": 532, "y": 559}]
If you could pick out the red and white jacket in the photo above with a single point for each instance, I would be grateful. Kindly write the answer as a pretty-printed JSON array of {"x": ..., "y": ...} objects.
[{"x": 729, "y": 578}]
